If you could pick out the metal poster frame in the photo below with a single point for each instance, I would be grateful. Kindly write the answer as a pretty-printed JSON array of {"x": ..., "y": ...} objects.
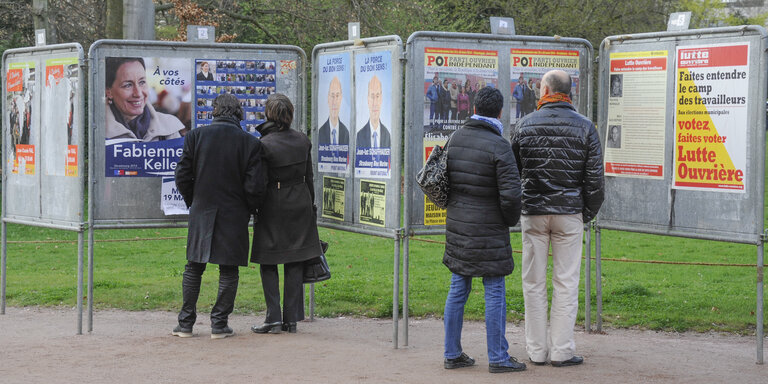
[
  {"x": 731, "y": 216},
  {"x": 350, "y": 217},
  {"x": 68, "y": 182},
  {"x": 290, "y": 78},
  {"x": 415, "y": 112}
]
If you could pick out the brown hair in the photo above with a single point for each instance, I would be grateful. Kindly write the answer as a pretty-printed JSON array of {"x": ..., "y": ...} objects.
[{"x": 279, "y": 110}]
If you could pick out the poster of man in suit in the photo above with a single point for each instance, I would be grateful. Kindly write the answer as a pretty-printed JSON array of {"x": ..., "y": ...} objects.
[
  {"x": 334, "y": 109},
  {"x": 373, "y": 90}
]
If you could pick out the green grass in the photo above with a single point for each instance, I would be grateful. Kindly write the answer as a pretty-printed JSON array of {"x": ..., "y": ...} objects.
[{"x": 146, "y": 275}]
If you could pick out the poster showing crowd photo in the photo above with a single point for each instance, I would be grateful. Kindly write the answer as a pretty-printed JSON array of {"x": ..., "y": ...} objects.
[
  {"x": 373, "y": 107},
  {"x": 251, "y": 81},
  {"x": 452, "y": 78},
  {"x": 333, "y": 198},
  {"x": 334, "y": 110},
  {"x": 711, "y": 117},
  {"x": 147, "y": 113},
  {"x": 527, "y": 66},
  {"x": 20, "y": 90},
  {"x": 373, "y": 202},
  {"x": 58, "y": 114}
]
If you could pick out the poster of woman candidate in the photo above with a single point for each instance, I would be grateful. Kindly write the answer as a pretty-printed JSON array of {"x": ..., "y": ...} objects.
[
  {"x": 334, "y": 109},
  {"x": 373, "y": 90},
  {"x": 147, "y": 113},
  {"x": 20, "y": 89}
]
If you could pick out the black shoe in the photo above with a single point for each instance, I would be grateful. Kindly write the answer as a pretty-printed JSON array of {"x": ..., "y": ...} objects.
[
  {"x": 220, "y": 333},
  {"x": 267, "y": 328},
  {"x": 537, "y": 362},
  {"x": 460, "y": 362},
  {"x": 289, "y": 327},
  {"x": 575, "y": 360},
  {"x": 182, "y": 332},
  {"x": 508, "y": 366}
]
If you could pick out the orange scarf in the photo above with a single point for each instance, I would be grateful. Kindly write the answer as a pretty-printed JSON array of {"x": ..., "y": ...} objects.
[{"x": 557, "y": 97}]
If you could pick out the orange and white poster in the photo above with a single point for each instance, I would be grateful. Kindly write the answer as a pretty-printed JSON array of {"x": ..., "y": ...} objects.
[
  {"x": 637, "y": 103},
  {"x": 711, "y": 121},
  {"x": 19, "y": 99}
]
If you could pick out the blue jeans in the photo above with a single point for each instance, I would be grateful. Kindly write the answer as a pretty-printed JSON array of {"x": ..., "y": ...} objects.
[{"x": 495, "y": 316}]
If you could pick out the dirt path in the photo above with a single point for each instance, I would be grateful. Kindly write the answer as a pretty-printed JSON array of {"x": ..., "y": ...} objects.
[{"x": 38, "y": 345}]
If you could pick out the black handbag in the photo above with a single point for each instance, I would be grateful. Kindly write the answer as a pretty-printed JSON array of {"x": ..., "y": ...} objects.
[
  {"x": 316, "y": 269},
  {"x": 433, "y": 177}
]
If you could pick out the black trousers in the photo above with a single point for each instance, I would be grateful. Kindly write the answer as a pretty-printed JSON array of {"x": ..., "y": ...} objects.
[
  {"x": 225, "y": 300},
  {"x": 293, "y": 292}
]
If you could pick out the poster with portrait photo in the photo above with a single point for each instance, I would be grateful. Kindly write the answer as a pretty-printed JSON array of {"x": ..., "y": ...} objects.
[
  {"x": 147, "y": 113},
  {"x": 20, "y": 91},
  {"x": 373, "y": 109},
  {"x": 59, "y": 104},
  {"x": 334, "y": 111}
]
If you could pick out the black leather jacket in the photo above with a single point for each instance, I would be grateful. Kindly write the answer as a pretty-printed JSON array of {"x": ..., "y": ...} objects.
[{"x": 561, "y": 163}]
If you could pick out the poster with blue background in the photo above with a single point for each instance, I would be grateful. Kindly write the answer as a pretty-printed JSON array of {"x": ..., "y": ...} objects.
[{"x": 373, "y": 90}]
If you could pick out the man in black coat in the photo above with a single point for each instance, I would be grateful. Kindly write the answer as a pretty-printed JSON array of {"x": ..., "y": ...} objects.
[
  {"x": 221, "y": 178},
  {"x": 374, "y": 127},
  {"x": 484, "y": 202},
  {"x": 561, "y": 165},
  {"x": 334, "y": 131}
]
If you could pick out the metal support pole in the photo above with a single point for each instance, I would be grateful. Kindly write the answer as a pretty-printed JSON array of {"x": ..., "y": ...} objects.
[
  {"x": 598, "y": 282},
  {"x": 406, "y": 284},
  {"x": 396, "y": 291},
  {"x": 90, "y": 277},
  {"x": 588, "y": 281},
  {"x": 312, "y": 302},
  {"x": 80, "y": 238},
  {"x": 759, "y": 312},
  {"x": 2, "y": 267}
]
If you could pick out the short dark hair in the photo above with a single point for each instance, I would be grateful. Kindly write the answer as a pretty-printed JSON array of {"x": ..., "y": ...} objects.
[
  {"x": 279, "y": 110},
  {"x": 489, "y": 102},
  {"x": 226, "y": 105},
  {"x": 114, "y": 63}
]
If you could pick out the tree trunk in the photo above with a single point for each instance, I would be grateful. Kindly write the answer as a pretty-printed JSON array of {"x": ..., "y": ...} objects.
[
  {"x": 114, "y": 28},
  {"x": 44, "y": 20},
  {"x": 139, "y": 20}
]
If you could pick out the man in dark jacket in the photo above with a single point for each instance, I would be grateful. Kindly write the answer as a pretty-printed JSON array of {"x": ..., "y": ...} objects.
[
  {"x": 221, "y": 179},
  {"x": 561, "y": 166},
  {"x": 484, "y": 202}
]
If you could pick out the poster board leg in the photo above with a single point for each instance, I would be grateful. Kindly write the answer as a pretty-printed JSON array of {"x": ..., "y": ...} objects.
[
  {"x": 2, "y": 267},
  {"x": 588, "y": 281},
  {"x": 80, "y": 283},
  {"x": 90, "y": 278},
  {"x": 396, "y": 291},
  {"x": 406, "y": 283},
  {"x": 312, "y": 302},
  {"x": 760, "y": 302},
  {"x": 598, "y": 282}
]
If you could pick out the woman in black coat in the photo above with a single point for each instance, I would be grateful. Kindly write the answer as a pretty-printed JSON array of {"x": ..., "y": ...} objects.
[{"x": 286, "y": 229}]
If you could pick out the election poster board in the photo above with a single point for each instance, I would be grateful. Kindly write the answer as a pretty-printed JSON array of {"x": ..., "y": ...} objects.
[
  {"x": 711, "y": 120},
  {"x": 435, "y": 109},
  {"x": 637, "y": 102},
  {"x": 43, "y": 136},
  {"x": 153, "y": 95},
  {"x": 702, "y": 175},
  {"x": 357, "y": 134}
]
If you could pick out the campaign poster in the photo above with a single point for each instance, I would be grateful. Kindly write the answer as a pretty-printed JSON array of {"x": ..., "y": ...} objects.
[
  {"x": 452, "y": 78},
  {"x": 171, "y": 200},
  {"x": 147, "y": 114},
  {"x": 528, "y": 66},
  {"x": 59, "y": 117},
  {"x": 251, "y": 81},
  {"x": 637, "y": 105},
  {"x": 20, "y": 90},
  {"x": 711, "y": 121},
  {"x": 333, "y": 198},
  {"x": 373, "y": 202},
  {"x": 334, "y": 111},
  {"x": 373, "y": 109}
]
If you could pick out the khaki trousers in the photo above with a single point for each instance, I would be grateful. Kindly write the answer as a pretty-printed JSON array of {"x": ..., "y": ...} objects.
[{"x": 564, "y": 233}]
